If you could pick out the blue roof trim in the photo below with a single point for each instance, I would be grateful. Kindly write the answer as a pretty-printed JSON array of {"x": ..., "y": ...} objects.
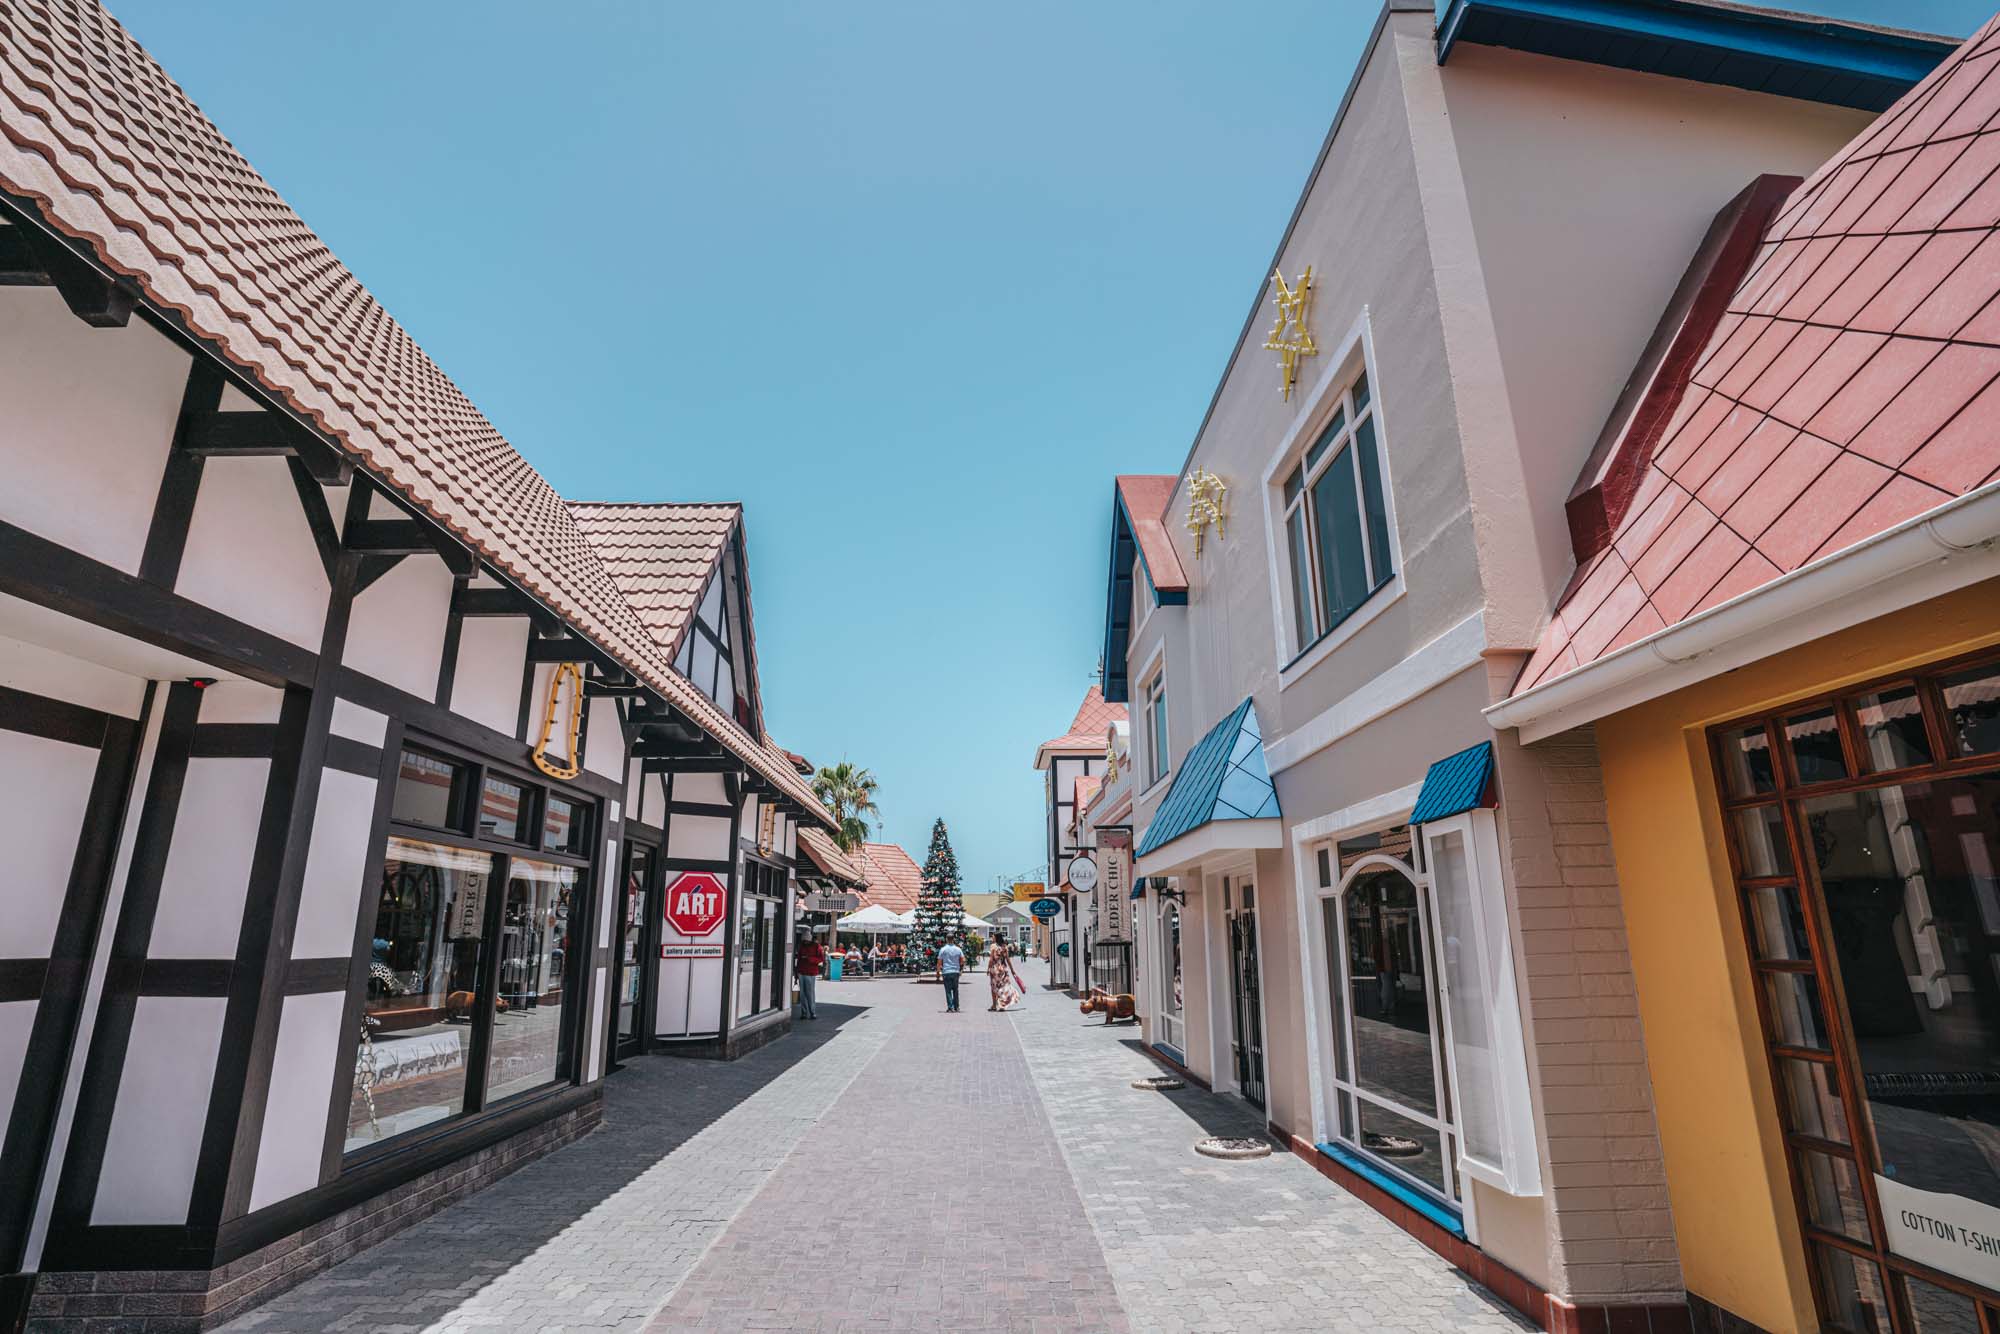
[
  {"x": 1766, "y": 51},
  {"x": 1223, "y": 778},
  {"x": 1456, "y": 784},
  {"x": 1118, "y": 600}
]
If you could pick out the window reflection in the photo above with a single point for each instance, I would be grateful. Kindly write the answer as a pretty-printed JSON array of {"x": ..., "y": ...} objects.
[
  {"x": 1389, "y": 993},
  {"x": 423, "y": 975},
  {"x": 528, "y": 1038},
  {"x": 1908, "y": 872}
]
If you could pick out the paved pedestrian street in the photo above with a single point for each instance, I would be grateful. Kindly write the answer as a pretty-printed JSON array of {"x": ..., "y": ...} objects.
[{"x": 891, "y": 1166}]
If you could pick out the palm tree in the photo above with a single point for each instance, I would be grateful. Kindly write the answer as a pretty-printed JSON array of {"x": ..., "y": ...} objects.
[{"x": 849, "y": 794}]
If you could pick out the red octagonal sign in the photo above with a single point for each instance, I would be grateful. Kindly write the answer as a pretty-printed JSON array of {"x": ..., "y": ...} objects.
[{"x": 696, "y": 903}]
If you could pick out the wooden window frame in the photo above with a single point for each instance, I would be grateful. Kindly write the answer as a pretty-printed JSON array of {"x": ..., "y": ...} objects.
[{"x": 1842, "y": 1056}]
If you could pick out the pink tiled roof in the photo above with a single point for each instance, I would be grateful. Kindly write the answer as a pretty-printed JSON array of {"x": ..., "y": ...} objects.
[
  {"x": 1851, "y": 383},
  {"x": 117, "y": 157},
  {"x": 1087, "y": 730},
  {"x": 660, "y": 556},
  {"x": 1146, "y": 502},
  {"x": 894, "y": 880},
  {"x": 821, "y": 850}
]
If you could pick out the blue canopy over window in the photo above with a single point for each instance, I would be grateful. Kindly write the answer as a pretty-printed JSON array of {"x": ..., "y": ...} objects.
[
  {"x": 1223, "y": 778},
  {"x": 1456, "y": 784}
]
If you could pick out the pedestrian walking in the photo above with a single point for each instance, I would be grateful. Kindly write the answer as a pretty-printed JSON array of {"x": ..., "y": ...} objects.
[
  {"x": 1002, "y": 985},
  {"x": 950, "y": 964},
  {"x": 807, "y": 961}
]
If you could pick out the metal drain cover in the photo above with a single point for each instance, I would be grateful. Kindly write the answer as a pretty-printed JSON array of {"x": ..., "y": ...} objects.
[
  {"x": 1226, "y": 1146},
  {"x": 1159, "y": 1082}
]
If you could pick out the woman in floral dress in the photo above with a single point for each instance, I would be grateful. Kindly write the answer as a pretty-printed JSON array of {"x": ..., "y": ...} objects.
[{"x": 1000, "y": 976}]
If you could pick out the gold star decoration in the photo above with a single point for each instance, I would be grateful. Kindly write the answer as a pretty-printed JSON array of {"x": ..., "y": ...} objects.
[
  {"x": 1290, "y": 337},
  {"x": 1206, "y": 492}
]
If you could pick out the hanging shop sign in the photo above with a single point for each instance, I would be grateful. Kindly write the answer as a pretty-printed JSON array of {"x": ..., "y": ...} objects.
[
  {"x": 696, "y": 903},
  {"x": 1029, "y": 891},
  {"x": 1291, "y": 337},
  {"x": 1046, "y": 908},
  {"x": 832, "y": 902},
  {"x": 1114, "y": 907},
  {"x": 572, "y": 675},
  {"x": 1082, "y": 875}
]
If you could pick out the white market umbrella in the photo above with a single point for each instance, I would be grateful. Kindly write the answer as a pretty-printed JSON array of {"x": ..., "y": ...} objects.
[{"x": 874, "y": 918}]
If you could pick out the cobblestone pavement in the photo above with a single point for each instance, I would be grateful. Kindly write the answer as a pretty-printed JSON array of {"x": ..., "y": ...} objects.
[
  {"x": 1196, "y": 1244},
  {"x": 597, "y": 1234},
  {"x": 892, "y": 1167}
]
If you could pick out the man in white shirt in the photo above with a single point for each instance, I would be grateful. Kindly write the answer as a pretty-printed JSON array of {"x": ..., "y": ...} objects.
[{"x": 950, "y": 964}]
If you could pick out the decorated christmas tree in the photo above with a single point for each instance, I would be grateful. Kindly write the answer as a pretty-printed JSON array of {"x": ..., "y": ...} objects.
[{"x": 940, "y": 910}]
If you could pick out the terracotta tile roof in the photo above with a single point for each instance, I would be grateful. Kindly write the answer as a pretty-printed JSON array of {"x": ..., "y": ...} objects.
[
  {"x": 894, "y": 880},
  {"x": 1087, "y": 730},
  {"x": 1850, "y": 382},
  {"x": 114, "y": 155},
  {"x": 1146, "y": 500},
  {"x": 822, "y": 852},
  {"x": 660, "y": 556}
]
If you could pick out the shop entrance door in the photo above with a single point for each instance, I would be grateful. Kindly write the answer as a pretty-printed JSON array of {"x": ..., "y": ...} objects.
[
  {"x": 1248, "y": 1044},
  {"x": 635, "y": 918}
]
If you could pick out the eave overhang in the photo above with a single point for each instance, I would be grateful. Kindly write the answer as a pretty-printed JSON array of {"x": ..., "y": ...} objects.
[
  {"x": 1763, "y": 50},
  {"x": 1168, "y": 587}
]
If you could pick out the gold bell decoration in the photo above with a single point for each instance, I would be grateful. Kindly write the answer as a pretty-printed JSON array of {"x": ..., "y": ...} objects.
[
  {"x": 573, "y": 674},
  {"x": 1291, "y": 337},
  {"x": 1206, "y": 493}
]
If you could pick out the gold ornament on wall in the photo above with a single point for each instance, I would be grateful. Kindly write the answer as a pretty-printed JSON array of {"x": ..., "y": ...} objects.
[
  {"x": 1291, "y": 337},
  {"x": 573, "y": 674},
  {"x": 1206, "y": 493}
]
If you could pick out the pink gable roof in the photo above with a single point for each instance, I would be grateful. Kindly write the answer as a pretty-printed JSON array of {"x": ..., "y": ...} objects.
[
  {"x": 1146, "y": 500},
  {"x": 1851, "y": 382},
  {"x": 1087, "y": 730}
]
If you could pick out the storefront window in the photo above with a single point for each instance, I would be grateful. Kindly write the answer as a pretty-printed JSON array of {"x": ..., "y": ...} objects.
[
  {"x": 471, "y": 987},
  {"x": 759, "y": 944},
  {"x": 423, "y": 975},
  {"x": 1880, "y": 978},
  {"x": 1172, "y": 1002},
  {"x": 528, "y": 1046}
]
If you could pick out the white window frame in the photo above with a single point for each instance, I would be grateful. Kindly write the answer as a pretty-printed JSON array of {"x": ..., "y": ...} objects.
[
  {"x": 1355, "y": 357},
  {"x": 1172, "y": 1023},
  {"x": 1143, "y": 601},
  {"x": 1159, "y": 744},
  {"x": 1518, "y": 1171},
  {"x": 1443, "y": 1072}
]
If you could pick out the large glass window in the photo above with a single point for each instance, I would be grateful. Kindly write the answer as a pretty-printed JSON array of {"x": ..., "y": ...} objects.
[
  {"x": 1173, "y": 1005},
  {"x": 1871, "y": 909},
  {"x": 1336, "y": 519},
  {"x": 760, "y": 939},
  {"x": 424, "y": 965},
  {"x": 471, "y": 988}
]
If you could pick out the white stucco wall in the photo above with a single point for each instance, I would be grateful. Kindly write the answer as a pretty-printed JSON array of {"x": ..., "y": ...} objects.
[{"x": 249, "y": 553}]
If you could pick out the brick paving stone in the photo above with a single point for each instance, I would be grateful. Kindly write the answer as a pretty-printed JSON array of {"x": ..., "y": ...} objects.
[
  {"x": 597, "y": 1234},
  {"x": 933, "y": 1195},
  {"x": 1198, "y": 1244}
]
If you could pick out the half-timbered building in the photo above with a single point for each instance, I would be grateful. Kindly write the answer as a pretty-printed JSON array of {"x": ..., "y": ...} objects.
[{"x": 364, "y": 799}]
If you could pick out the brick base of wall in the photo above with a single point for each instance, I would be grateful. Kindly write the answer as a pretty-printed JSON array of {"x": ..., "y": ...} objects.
[
  {"x": 1548, "y": 1312},
  {"x": 184, "y": 1301}
]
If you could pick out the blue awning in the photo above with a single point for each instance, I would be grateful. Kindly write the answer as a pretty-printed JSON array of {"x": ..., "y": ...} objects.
[
  {"x": 1223, "y": 778},
  {"x": 1456, "y": 784}
]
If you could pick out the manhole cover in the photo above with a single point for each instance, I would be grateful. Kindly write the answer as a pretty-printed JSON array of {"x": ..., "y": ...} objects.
[
  {"x": 1159, "y": 1082},
  {"x": 1225, "y": 1146}
]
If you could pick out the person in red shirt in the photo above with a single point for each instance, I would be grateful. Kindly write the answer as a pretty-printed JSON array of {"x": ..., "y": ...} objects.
[{"x": 808, "y": 961}]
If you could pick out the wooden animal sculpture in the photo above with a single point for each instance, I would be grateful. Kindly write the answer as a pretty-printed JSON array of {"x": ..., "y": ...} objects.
[
  {"x": 458, "y": 1005},
  {"x": 1113, "y": 1008}
]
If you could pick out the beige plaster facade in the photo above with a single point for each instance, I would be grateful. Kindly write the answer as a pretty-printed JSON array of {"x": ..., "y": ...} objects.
[{"x": 1492, "y": 240}]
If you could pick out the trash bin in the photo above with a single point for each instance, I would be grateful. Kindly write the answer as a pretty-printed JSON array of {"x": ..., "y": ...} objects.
[{"x": 833, "y": 968}]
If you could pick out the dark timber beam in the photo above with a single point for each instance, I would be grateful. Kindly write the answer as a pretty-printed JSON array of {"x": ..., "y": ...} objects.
[
  {"x": 714, "y": 764},
  {"x": 503, "y": 602},
  {"x": 567, "y": 648},
  {"x": 409, "y": 537},
  {"x": 650, "y": 749},
  {"x": 18, "y": 265},
  {"x": 93, "y": 296},
  {"x": 251, "y": 433}
]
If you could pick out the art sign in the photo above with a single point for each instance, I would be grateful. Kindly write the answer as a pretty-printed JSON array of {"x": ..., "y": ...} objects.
[
  {"x": 696, "y": 903},
  {"x": 713, "y": 951}
]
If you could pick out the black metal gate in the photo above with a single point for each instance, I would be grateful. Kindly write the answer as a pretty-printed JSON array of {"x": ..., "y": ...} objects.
[{"x": 1248, "y": 1042}]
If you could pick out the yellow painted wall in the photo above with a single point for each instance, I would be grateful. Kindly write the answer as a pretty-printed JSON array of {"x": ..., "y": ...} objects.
[{"x": 1733, "y": 1214}]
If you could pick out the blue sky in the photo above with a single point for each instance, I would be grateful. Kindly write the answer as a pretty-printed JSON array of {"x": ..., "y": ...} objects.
[{"x": 911, "y": 280}]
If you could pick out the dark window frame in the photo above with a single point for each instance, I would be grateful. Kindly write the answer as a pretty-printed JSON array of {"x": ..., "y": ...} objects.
[
  {"x": 1841, "y": 1054},
  {"x": 464, "y": 835}
]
